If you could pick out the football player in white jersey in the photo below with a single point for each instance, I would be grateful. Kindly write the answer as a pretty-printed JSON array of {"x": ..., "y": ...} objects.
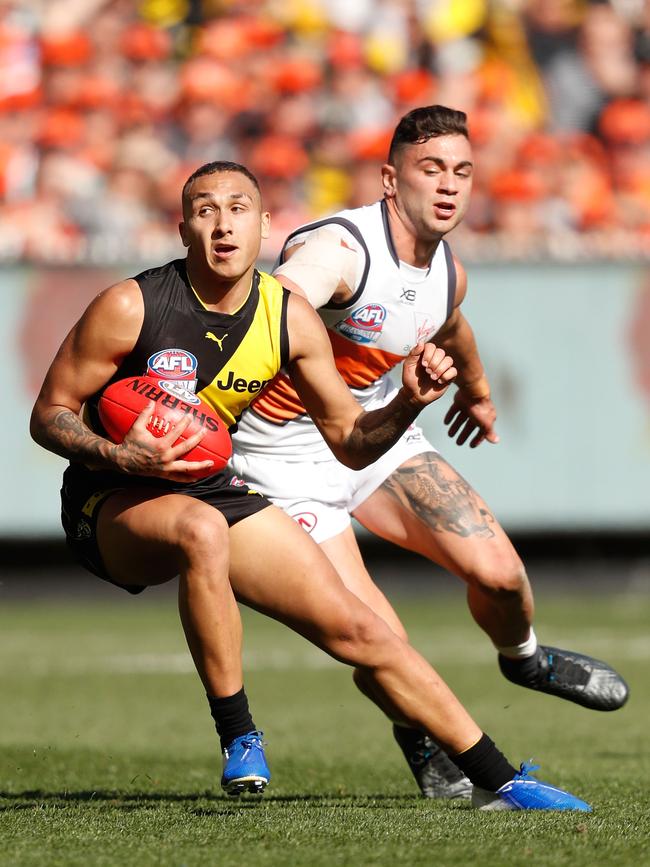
[{"x": 383, "y": 279}]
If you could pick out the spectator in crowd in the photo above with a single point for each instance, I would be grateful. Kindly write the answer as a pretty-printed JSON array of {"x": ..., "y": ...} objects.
[{"x": 114, "y": 101}]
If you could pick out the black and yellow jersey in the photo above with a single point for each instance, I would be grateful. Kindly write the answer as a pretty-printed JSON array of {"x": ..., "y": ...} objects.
[{"x": 226, "y": 359}]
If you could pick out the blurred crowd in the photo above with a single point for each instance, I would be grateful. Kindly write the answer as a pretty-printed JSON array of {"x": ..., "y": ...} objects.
[{"x": 106, "y": 106}]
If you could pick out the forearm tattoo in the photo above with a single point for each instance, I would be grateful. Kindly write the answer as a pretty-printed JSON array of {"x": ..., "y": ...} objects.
[
  {"x": 71, "y": 438},
  {"x": 439, "y": 497},
  {"x": 376, "y": 431}
]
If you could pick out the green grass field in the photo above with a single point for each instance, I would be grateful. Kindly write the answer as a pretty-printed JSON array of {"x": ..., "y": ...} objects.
[{"x": 108, "y": 755}]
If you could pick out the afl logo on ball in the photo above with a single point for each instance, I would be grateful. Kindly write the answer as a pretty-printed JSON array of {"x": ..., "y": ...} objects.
[
  {"x": 365, "y": 324},
  {"x": 178, "y": 388},
  {"x": 174, "y": 364},
  {"x": 307, "y": 520}
]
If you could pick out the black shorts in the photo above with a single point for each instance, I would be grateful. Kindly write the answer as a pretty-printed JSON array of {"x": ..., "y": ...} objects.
[{"x": 84, "y": 492}]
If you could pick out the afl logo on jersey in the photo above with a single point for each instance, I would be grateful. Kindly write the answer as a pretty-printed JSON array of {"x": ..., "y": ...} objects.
[
  {"x": 174, "y": 364},
  {"x": 364, "y": 325}
]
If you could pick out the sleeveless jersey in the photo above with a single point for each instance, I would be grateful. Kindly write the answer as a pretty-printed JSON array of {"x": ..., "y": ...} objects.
[
  {"x": 393, "y": 307},
  {"x": 226, "y": 359}
]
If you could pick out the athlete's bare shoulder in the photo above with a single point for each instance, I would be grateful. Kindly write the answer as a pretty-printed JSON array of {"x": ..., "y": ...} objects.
[
  {"x": 123, "y": 299},
  {"x": 117, "y": 311},
  {"x": 111, "y": 323},
  {"x": 321, "y": 264}
]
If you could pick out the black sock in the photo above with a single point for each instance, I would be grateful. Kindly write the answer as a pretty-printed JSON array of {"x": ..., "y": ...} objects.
[
  {"x": 485, "y": 765},
  {"x": 231, "y": 716},
  {"x": 523, "y": 670},
  {"x": 410, "y": 740}
]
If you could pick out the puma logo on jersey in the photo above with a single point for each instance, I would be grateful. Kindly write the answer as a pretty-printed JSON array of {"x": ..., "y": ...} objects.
[{"x": 210, "y": 336}]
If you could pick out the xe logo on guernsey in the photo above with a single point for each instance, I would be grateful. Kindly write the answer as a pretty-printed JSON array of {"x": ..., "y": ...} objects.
[
  {"x": 174, "y": 364},
  {"x": 364, "y": 325}
]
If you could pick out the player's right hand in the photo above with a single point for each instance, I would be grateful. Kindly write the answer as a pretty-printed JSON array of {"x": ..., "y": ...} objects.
[
  {"x": 427, "y": 372},
  {"x": 143, "y": 454}
]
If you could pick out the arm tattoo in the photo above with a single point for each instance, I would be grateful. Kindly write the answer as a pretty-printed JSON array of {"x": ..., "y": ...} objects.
[
  {"x": 438, "y": 496},
  {"x": 376, "y": 431},
  {"x": 68, "y": 436},
  {"x": 71, "y": 438}
]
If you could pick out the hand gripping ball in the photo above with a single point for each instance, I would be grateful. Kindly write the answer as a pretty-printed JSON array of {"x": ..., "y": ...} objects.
[{"x": 123, "y": 401}]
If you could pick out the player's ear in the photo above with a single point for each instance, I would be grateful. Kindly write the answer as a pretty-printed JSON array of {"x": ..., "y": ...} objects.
[
  {"x": 389, "y": 180},
  {"x": 181, "y": 232},
  {"x": 266, "y": 224}
]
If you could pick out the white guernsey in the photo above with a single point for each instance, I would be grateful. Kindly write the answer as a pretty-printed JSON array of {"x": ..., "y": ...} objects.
[
  {"x": 388, "y": 307},
  {"x": 383, "y": 278}
]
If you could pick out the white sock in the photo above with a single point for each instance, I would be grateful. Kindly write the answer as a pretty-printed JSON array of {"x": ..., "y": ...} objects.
[{"x": 520, "y": 651}]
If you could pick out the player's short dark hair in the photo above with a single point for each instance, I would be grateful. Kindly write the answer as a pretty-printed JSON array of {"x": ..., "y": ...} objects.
[
  {"x": 429, "y": 121},
  {"x": 221, "y": 166}
]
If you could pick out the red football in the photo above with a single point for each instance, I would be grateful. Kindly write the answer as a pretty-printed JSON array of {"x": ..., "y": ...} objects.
[{"x": 123, "y": 401}]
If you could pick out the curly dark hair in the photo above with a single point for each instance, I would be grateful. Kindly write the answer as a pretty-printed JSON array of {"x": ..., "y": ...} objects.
[{"x": 429, "y": 121}]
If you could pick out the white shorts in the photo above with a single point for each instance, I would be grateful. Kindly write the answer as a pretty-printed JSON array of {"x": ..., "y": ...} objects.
[{"x": 320, "y": 495}]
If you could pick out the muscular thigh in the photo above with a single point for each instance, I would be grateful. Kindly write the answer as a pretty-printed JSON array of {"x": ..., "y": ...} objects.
[
  {"x": 276, "y": 568},
  {"x": 136, "y": 535},
  {"x": 427, "y": 507}
]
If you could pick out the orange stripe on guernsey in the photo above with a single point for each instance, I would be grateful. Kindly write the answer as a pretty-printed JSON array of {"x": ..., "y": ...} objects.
[
  {"x": 279, "y": 402},
  {"x": 358, "y": 365}
]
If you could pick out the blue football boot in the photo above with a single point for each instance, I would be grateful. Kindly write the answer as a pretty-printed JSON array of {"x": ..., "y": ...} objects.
[
  {"x": 244, "y": 765},
  {"x": 524, "y": 792}
]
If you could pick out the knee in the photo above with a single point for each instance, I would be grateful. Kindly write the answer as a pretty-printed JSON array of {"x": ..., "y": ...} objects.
[
  {"x": 501, "y": 577},
  {"x": 201, "y": 531},
  {"x": 359, "y": 637}
]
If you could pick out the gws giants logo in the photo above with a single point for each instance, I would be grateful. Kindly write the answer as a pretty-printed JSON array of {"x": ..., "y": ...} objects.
[
  {"x": 307, "y": 520},
  {"x": 174, "y": 364},
  {"x": 364, "y": 325}
]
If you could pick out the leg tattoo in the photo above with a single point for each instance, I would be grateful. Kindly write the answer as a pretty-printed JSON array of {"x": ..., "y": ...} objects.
[{"x": 442, "y": 499}]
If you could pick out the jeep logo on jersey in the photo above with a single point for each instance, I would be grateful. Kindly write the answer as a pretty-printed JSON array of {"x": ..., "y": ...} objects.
[
  {"x": 177, "y": 388},
  {"x": 174, "y": 364},
  {"x": 229, "y": 382},
  {"x": 364, "y": 325}
]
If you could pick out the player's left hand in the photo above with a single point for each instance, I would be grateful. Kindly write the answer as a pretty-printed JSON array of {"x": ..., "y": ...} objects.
[
  {"x": 427, "y": 373},
  {"x": 469, "y": 416}
]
